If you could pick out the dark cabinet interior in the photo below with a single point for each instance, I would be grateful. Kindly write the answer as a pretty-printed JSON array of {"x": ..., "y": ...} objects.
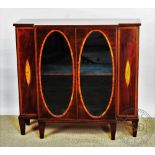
[
  {"x": 96, "y": 73},
  {"x": 56, "y": 73}
]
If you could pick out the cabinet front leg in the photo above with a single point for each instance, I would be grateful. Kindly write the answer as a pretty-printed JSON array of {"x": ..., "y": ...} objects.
[
  {"x": 22, "y": 125},
  {"x": 41, "y": 129},
  {"x": 113, "y": 130},
  {"x": 134, "y": 127}
]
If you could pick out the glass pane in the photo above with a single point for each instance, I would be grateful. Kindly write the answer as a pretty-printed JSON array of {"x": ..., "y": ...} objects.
[
  {"x": 56, "y": 73},
  {"x": 96, "y": 73}
]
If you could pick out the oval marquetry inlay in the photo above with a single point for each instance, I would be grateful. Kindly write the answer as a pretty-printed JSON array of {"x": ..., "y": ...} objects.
[
  {"x": 127, "y": 73},
  {"x": 96, "y": 74},
  {"x": 56, "y": 61},
  {"x": 27, "y": 72}
]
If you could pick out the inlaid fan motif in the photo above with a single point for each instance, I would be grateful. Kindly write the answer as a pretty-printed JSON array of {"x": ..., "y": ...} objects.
[
  {"x": 127, "y": 73},
  {"x": 28, "y": 72}
]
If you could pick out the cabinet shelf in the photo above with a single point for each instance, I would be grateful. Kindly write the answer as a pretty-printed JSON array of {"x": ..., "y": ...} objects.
[
  {"x": 85, "y": 70},
  {"x": 69, "y": 74}
]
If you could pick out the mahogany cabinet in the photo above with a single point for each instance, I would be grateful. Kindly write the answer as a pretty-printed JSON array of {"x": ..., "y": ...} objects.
[{"x": 78, "y": 71}]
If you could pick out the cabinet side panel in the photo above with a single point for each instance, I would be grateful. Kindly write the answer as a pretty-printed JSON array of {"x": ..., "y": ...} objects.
[
  {"x": 26, "y": 70},
  {"x": 127, "y": 71}
]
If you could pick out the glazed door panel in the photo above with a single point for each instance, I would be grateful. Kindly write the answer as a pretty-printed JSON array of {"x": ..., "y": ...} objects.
[
  {"x": 26, "y": 70},
  {"x": 96, "y": 72},
  {"x": 128, "y": 71},
  {"x": 56, "y": 68}
]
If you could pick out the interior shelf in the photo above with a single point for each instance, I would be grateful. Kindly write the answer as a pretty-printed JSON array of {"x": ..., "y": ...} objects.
[
  {"x": 56, "y": 70},
  {"x": 85, "y": 70},
  {"x": 95, "y": 70}
]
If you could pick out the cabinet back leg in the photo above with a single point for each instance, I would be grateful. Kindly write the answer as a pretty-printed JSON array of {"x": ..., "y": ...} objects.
[
  {"x": 41, "y": 129},
  {"x": 27, "y": 121},
  {"x": 134, "y": 127},
  {"x": 113, "y": 130},
  {"x": 22, "y": 125}
]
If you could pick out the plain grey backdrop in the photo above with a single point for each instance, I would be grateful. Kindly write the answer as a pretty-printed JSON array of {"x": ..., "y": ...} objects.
[{"x": 8, "y": 64}]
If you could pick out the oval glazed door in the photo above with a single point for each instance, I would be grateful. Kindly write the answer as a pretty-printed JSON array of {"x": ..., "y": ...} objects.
[
  {"x": 56, "y": 73},
  {"x": 96, "y": 74}
]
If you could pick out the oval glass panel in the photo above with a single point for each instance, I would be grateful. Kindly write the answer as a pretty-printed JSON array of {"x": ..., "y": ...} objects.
[
  {"x": 96, "y": 74},
  {"x": 56, "y": 73}
]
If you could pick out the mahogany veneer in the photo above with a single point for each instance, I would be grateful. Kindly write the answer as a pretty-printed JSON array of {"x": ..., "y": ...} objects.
[{"x": 122, "y": 37}]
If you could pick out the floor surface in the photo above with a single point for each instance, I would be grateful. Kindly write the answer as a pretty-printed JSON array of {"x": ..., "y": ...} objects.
[{"x": 67, "y": 135}]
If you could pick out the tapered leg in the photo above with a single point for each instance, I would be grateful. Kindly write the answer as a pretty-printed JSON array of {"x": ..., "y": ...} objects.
[
  {"x": 22, "y": 125},
  {"x": 27, "y": 121},
  {"x": 113, "y": 130},
  {"x": 134, "y": 127},
  {"x": 41, "y": 129}
]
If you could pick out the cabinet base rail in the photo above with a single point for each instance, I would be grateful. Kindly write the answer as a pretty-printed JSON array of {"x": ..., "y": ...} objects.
[{"x": 23, "y": 121}]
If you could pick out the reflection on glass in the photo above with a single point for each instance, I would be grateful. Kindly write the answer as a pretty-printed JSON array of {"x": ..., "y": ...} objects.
[
  {"x": 56, "y": 73},
  {"x": 96, "y": 73}
]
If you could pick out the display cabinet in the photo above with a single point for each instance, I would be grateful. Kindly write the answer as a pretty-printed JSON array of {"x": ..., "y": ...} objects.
[{"x": 78, "y": 71}]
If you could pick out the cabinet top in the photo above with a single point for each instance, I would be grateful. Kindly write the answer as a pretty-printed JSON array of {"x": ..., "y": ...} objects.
[{"x": 97, "y": 21}]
